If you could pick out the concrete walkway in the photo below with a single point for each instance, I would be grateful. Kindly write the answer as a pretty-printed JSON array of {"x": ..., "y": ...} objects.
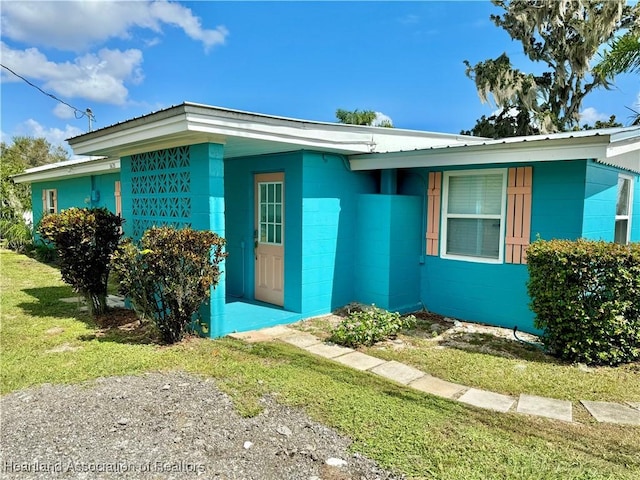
[{"x": 608, "y": 412}]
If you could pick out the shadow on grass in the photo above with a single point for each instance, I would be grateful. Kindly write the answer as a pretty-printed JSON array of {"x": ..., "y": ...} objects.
[
  {"x": 488, "y": 344},
  {"x": 47, "y": 304},
  {"x": 121, "y": 325}
]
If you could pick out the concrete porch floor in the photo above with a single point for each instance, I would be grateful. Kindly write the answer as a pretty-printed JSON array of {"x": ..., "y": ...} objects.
[{"x": 251, "y": 315}]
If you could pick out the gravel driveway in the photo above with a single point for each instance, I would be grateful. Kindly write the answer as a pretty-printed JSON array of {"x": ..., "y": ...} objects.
[{"x": 165, "y": 426}]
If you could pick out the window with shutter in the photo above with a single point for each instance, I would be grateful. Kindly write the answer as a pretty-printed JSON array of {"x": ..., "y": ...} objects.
[{"x": 473, "y": 209}]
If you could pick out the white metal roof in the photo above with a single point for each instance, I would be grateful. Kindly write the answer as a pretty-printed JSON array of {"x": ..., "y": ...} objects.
[
  {"x": 619, "y": 147},
  {"x": 246, "y": 133}
]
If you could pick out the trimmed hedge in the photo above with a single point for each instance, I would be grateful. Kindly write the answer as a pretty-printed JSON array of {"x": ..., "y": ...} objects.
[{"x": 586, "y": 298}]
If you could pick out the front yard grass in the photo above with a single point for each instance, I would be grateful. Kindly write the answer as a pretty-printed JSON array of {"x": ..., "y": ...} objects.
[
  {"x": 46, "y": 341},
  {"x": 473, "y": 356}
]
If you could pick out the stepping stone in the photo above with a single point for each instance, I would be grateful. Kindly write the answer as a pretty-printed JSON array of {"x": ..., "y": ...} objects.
[
  {"x": 398, "y": 372},
  {"x": 277, "y": 331},
  {"x": 545, "y": 407},
  {"x": 253, "y": 336},
  {"x": 72, "y": 300},
  {"x": 301, "y": 339},
  {"x": 612, "y": 412},
  {"x": 328, "y": 351},
  {"x": 113, "y": 301},
  {"x": 359, "y": 361},
  {"x": 488, "y": 400},
  {"x": 635, "y": 405},
  {"x": 436, "y": 386}
]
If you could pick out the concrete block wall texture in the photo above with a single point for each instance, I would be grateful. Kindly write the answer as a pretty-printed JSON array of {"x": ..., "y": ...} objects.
[
  {"x": 239, "y": 220},
  {"x": 329, "y": 230},
  {"x": 388, "y": 255},
  {"x": 600, "y": 198}
]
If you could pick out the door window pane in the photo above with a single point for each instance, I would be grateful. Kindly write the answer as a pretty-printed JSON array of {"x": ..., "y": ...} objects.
[{"x": 271, "y": 211}]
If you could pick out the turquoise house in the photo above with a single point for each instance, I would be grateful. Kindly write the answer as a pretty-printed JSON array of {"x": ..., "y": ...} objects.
[{"x": 317, "y": 215}]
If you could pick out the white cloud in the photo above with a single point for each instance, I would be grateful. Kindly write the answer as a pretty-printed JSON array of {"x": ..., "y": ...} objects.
[
  {"x": 97, "y": 76},
  {"x": 381, "y": 118},
  {"x": 76, "y": 26},
  {"x": 590, "y": 116},
  {"x": 63, "y": 111},
  {"x": 54, "y": 136}
]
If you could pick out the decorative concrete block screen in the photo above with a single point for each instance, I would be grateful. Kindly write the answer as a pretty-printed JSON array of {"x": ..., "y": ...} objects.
[{"x": 160, "y": 189}]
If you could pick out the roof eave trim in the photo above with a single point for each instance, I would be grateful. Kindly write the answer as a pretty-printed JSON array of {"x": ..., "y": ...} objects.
[{"x": 108, "y": 165}]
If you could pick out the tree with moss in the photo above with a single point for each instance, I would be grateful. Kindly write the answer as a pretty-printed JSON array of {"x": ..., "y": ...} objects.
[{"x": 562, "y": 35}]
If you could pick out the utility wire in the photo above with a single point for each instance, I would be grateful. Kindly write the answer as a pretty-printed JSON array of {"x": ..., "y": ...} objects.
[{"x": 76, "y": 112}]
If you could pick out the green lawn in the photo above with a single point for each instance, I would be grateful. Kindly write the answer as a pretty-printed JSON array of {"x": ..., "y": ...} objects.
[
  {"x": 501, "y": 365},
  {"x": 410, "y": 432}
]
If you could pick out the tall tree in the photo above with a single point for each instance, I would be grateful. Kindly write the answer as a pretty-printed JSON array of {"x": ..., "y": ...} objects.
[
  {"x": 563, "y": 35},
  {"x": 22, "y": 153}
]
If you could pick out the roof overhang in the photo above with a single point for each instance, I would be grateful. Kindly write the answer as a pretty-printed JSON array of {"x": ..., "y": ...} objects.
[
  {"x": 620, "y": 149},
  {"x": 69, "y": 169},
  {"x": 247, "y": 134}
]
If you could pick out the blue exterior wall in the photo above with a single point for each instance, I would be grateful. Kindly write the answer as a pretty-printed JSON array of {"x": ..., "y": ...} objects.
[
  {"x": 76, "y": 192},
  {"x": 320, "y": 231},
  {"x": 570, "y": 200},
  {"x": 181, "y": 186},
  {"x": 600, "y": 198},
  {"x": 557, "y": 204},
  {"x": 239, "y": 218},
  {"x": 388, "y": 253},
  {"x": 329, "y": 230},
  {"x": 497, "y": 293},
  {"x": 635, "y": 212}
]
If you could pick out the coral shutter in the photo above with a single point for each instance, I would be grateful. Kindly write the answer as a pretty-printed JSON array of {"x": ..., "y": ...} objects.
[
  {"x": 44, "y": 202},
  {"x": 433, "y": 212},
  {"x": 518, "y": 214},
  {"x": 118, "y": 194}
]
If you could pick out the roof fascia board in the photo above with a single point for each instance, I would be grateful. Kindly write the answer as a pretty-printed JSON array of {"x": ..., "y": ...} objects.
[
  {"x": 107, "y": 165},
  {"x": 482, "y": 155},
  {"x": 123, "y": 137}
]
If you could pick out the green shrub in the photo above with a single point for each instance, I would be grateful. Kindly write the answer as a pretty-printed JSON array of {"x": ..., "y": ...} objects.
[
  {"x": 15, "y": 234},
  {"x": 370, "y": 325},
  {"x": 586, "y": 298},
  {"x": 85, "y": 239},
  {"x": 168, "y": 276}
]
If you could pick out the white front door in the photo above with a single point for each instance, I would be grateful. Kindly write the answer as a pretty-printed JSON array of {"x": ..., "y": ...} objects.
[{"x": 269, "y": 238}]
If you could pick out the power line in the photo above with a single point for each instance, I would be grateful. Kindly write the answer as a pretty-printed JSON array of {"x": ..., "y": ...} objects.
[{"x": 76, "y": 112}]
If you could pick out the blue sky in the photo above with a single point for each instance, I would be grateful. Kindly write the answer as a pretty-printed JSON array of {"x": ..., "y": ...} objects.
[{"x": 293, "y": 59}]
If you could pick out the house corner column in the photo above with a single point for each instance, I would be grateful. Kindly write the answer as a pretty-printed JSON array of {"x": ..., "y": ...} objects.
[{"x": 208, "y": 214}]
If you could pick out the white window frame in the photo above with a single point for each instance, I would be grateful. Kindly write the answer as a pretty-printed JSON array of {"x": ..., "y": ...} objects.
[
  {"x": 629, "y": 212},
  {"x": 445, "y": 215},
  {"x": 48, "y": 204}
]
